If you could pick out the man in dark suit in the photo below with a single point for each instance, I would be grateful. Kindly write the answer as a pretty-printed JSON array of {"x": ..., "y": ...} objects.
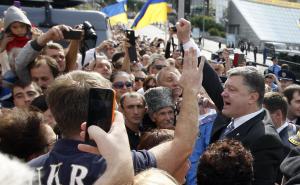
[
  {"x": 242, "y": 100},
  {"x": 244, "y": 119},
  {"x": 277, "y": 105},
  {"x": 292, "y": 93}
]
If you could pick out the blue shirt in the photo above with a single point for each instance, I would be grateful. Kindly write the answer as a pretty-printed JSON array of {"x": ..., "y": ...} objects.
[
  {"x": 65, "y": 164},
  {"x": 275, "y": 69},
  {"x": 202, "y": 142}
]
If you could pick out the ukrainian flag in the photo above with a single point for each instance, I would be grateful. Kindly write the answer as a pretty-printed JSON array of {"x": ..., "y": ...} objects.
[
  {"x": 116, "y": 13},
  {"x": 154, "y": 11}
]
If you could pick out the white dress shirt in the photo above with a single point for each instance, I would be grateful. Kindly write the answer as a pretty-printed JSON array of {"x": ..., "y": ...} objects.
[{"x": 239, "y": 121}]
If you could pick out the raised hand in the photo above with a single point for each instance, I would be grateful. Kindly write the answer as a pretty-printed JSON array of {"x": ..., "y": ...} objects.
[
  {"x": 192, "y": 74},
  {"x": 183, "y": 30},
  {"x": 114, "y": 148}
]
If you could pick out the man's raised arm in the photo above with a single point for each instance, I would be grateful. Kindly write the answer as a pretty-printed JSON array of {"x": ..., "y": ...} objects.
[{"x": 171, "y": 155}]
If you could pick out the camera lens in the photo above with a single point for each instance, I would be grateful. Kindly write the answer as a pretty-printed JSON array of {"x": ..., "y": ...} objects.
[{"x": 89, "y": 31}]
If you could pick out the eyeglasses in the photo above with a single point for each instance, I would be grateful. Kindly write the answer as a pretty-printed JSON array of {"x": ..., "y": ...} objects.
[
  {"x": 159, "y": 67},
  {"x": 120, "y": 85},
  {"x": 139, "y": 79}
]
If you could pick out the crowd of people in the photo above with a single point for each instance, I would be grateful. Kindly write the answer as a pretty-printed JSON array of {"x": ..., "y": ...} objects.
[{"x": 179, "y": 119}]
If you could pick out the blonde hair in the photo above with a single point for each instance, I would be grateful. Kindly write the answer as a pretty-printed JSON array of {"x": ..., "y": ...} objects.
[{"x": 154, "y": 176}]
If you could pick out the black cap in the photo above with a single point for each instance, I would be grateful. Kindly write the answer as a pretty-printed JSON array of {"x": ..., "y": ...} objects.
[{"x": 286, "y": 75}]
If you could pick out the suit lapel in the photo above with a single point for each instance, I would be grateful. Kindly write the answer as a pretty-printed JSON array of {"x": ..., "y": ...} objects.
[
  {"x": 219, "y": 125},
  {"x": 284, "y": 133},
  {"x": 242, "y": 131}
]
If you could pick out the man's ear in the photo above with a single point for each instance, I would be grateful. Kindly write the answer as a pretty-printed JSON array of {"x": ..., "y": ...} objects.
[{"x": 253, "y": 97}]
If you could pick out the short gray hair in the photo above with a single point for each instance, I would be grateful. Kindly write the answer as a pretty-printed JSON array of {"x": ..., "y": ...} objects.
[
  {"x": 131, "y": 95},
  {"x": 252, "y": 79}
]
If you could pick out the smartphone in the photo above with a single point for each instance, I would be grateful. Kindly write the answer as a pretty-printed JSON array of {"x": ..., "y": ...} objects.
[
  {"x": 101, "y": 108},
  {"x": 72, "y": 34},
  {"x": 132, "y": 49}
]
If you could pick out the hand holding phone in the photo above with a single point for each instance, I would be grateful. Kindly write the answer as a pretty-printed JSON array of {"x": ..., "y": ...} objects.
[
  {"x": 132, "y": 49},
  {"x": 72, "y": 34},
  {"x": 101, "y": 108},
  {"x": 110, "y": 146}
]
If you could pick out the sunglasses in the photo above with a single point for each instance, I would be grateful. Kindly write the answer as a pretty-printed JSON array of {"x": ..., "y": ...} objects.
[
  {"x": 139, "y": 79},
  {"x": 120, "y": 85},
  {"x": 159, "y": 67}
]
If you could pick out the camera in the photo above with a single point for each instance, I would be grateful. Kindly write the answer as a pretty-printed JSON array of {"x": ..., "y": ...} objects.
[
  {"x": 90, "y": 39},
  {"x": 173, "y": 28},
  {"x": 89, "y": 32}
]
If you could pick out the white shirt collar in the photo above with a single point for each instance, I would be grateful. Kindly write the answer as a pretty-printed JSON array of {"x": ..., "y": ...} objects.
[
  {"x": 239, "y": 121},
  {"x": 282, "y": 127},
  {"x": 291, "y": 121}
]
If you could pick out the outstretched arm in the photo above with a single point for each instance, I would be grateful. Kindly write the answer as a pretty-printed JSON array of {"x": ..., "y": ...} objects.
[
  {"x": 33, "y": 48},
  {"x": 173, "y": 154}
]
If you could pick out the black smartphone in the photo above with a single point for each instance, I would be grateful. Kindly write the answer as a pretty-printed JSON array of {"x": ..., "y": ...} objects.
[
  {"x": 101, "y": 108},
  {"x": 72, "y": 34},
  {"x": 132, "y": 49}
]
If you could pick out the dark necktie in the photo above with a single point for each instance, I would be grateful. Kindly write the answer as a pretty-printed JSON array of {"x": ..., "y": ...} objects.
[{"x": 228, "y": 129}]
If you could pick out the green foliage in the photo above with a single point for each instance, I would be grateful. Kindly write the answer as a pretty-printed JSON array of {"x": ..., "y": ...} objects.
[
  {"x": 214, "y": 32},
  {"x": 210, "y": 25},
  {"x": 222, "y": 34}
]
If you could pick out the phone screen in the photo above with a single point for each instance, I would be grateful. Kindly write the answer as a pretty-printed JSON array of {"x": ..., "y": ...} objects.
[{"x": 100, "y": 108}]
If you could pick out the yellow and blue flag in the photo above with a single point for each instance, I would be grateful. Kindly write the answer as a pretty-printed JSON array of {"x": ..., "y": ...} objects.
[
  {"x": 153, "y": 11},
  {"x": 116, "y": 13}
]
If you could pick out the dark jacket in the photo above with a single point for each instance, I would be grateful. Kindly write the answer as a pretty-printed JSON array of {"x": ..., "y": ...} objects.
[
  {"x": 257, "y": 134},
  {"x": 260, "y": 137},
  {"x": 65, "y": 164},
  {"x": 290, "y": 167}
]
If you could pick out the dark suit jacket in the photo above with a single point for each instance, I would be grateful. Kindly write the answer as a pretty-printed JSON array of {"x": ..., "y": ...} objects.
[
  {"x": 211, "y": 84},
  {"x": 298, "y": 121},
  {"x": 260, "y": 137},
  {"x": 285, "y": 134},
  {"x": 258, "y": 134},
  {"x": 290, "y": 167}
]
